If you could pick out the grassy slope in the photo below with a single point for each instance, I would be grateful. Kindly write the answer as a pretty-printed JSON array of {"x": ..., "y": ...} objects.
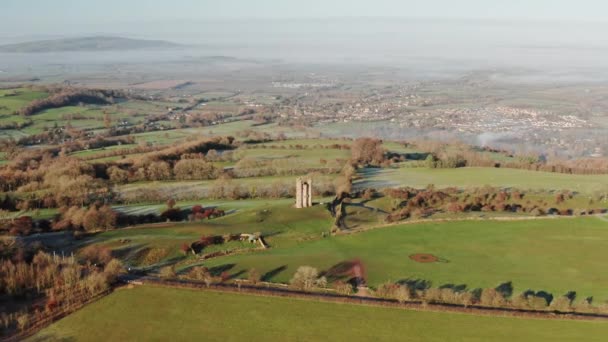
[
  {"x": 277, "y": 220},
  {"x": 163, "y": 314},
  {"x": 10, "y": 103},
  {"x": 476, "y": 177},
  {"x": 553, "y": 255}
]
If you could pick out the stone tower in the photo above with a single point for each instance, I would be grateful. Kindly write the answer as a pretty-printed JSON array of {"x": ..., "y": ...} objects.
[{"x": 303, "y": 193}]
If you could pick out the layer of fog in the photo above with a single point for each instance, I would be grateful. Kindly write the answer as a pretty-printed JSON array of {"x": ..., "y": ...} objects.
[{"x": 517, "y": 51}]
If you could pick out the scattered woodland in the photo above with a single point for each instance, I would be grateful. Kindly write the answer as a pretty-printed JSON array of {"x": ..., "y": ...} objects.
[{"x": 101, "y": 187}]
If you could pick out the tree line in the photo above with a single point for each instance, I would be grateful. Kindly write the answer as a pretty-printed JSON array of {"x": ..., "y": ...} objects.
[
  {"x": 43, "y": 283},
  {"x": 71, "y": 96}
]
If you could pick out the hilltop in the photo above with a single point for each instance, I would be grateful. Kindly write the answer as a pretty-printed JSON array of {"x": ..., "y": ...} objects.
[{"x": 97, "y": 43}]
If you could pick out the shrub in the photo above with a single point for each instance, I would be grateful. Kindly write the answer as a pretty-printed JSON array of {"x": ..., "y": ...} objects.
[
  {"x": 368, "y": 194},
  {"x": 23, "y": 320},
  {"x": 194, "y": 169},
  {"x": 168, "y": 272},
  {"x": 96, "y": 283},
  {"x": 432, "y": 295},
  {"x": 491, "y": 297},
  {"x": 367, "y": 151},
  {"x": 305, "y": 278},
  {"x": 386, "y": 290},
  {"x": 172, "y": 214},
  {"x": 563, "y": 304},
  {"x": 153, "y": 255},
  {"x": 253, "y": 276},
  {"x": 103, "y": 218},
  {"x": 403, "y": 293},
  {"x": 198, "y": 273},
  {"x": 537, "y": 302},
  {"x": 96, "y": 254},
  {"x": 113, "y": 269},
  {"x": 520, "y": 301},
  {"x": 321, "y": 282},
  {"x": 466, "y": 298},
  {"x": 197, "y": 209},
  {"x": 343, "y": 288},
  {"x": 185, "y": 248}
]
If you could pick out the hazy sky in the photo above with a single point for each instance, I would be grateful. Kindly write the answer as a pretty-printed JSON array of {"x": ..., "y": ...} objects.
[
  {"x": 61, "y": 16},
  {"x": 550, "y": 34}
]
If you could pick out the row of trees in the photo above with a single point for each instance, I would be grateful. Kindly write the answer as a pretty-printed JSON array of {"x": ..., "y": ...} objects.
[
  {"x": 367, "y": 151},
  {"x": 71, "y": 96},
  {"x": 454, "y": 155},
  {"x": 48, "y": 178},
  {"x": 307, "y": 278},
  {"x": 226, "y": 188},
  {"x": 94, "y": 218},
  {"x": 60, "y": 282},
  {"x": 419, "y": 203}
]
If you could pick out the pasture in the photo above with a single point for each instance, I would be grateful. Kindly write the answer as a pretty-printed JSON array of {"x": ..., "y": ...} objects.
[
  {"x": 301, "y": 157},
  {"x": 181, "y": 190},
  {"x": 277, "y": 220},
  {"x": 478, "y": 176},
  {"x": 554, "y": 255},
  {"x": 161, "y": 314},
  {"x": 11, "y": 100}
]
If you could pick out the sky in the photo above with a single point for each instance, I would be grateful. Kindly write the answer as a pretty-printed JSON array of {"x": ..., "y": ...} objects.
[
  {"x": 60, "y": 16},
  {"x": 243, "y": 21},
  {"x": 528, "y": 33}
]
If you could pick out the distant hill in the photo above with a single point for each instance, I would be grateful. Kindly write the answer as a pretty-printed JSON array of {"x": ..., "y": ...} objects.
[{"x": 99, "y": 43}]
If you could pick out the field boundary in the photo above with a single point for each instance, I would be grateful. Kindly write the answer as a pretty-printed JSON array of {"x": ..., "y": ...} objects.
[
  {"x": 372, "y": 301},
  {"x": 55, "y": 316}
]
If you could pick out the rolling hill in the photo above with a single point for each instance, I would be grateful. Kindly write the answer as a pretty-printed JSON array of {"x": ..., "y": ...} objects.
[{"x": 97, "y": 43}]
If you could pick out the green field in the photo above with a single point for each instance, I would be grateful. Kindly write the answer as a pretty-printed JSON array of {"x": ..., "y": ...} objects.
[
  {"x": 282, "y": 225},
  {"x": 201, "y": 189},
  {"x": 163, "y": 314},
  {"x": 11, "y": 100},
  {"x": 478, "y": 177},
  {"x": 554, "y": 255},
  {"x": 310, "y": 158}
]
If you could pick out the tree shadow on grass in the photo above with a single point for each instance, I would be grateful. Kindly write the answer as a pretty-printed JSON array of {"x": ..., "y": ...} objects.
[
  {"x": 237, "y": 274},
  {"x": 454, "y": 287},
  {"x": 218, "y": 270},
  {"x": 162, "y": 264},
  {"x": 340, "y": 271},
  {"x": 416, "y": 284},
  {"x": 571, "y": 295},
  {"x": 126, "y": 252},
  {"x": 543, "y": 294},
  {"x": 268, "y": 276},
  {"x": 506, "y": 289}
]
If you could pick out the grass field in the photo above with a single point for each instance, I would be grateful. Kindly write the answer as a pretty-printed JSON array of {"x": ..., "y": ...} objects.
[
  {"x": 301, "y": 157},
  {"x": 201, "y": 189},
  {"x": 163, "y": 314},
  {"x": 477, "y": 177},
  {"x": 554, "y": 255},
  {"x": 277, "y": 220},
  {"x": 11, "y": 100}
]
